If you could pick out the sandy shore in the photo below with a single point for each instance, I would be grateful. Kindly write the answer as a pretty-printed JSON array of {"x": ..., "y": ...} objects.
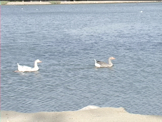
[
  {"x": 74, "y": 2},
  {"x": 28, "y": 3},
  {"x": 100, "y": 2},
  {"x": 87, "y": 114}
]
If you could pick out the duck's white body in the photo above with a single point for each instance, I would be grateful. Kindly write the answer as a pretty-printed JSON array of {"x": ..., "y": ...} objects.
[
  {"x": 29, "y": 69},
  {"x": 100, "y": 64}
]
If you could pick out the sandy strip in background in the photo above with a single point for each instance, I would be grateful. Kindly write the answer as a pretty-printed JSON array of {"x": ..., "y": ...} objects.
[
  {"x": 28, "y": 3},
  {"x": 98, "y": 2},
  {"x": 87, "y": 114},
  {"x": 72, "y": 2}
]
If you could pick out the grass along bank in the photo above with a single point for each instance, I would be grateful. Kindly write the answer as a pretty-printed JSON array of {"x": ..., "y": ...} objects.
[{"x": 3, "y": 2}]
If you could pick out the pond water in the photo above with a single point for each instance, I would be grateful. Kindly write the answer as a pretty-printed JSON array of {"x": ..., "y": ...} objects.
[{"x": 67, "y": 39}]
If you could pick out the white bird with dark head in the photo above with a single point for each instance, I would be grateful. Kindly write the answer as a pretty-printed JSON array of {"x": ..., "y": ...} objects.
[
  {"x": 100, "y": 64},
  {"x": 29, "y": 69}
]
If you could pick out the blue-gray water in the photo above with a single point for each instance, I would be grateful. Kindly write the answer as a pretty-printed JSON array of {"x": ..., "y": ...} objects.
[{"x": 67, "y": 39}]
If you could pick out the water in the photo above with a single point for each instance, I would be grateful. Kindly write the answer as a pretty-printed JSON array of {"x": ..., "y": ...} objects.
[{"x": 67, "y": 38}]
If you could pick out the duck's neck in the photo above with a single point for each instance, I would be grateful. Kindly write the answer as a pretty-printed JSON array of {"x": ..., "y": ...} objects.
[
  {"x": 36, "y": 65},
  {"x": 110, "y": 63}
]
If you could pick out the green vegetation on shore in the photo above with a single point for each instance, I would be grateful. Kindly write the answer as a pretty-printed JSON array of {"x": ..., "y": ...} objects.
[
  {"x": 55, "y": 2},
  {"x": 3, "y": 2}
]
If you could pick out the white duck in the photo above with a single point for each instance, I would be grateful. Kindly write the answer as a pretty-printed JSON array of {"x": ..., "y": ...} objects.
[
  {"x": 100, "y": 64},
  {"x": 29, "y": 69}
]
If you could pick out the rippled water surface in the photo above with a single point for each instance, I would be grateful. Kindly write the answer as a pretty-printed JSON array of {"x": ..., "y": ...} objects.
[{"x": 67, "y": 38}]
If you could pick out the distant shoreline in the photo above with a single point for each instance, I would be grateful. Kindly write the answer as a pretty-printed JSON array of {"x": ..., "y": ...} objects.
[
  {"x": 106, "y": 2},
  {"x": 73, "y": 2}
]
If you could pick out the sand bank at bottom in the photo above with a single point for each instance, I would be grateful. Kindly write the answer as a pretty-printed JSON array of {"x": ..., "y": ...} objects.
[{"x": 88, "y": 114}]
